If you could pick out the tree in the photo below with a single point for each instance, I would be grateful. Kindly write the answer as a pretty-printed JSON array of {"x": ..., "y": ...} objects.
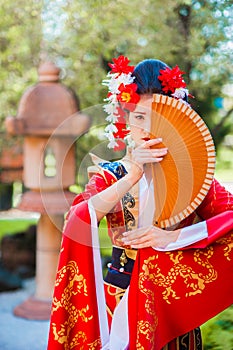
[
  {"x": 206, "y": 29},
  {"x": 84, "y": 35},
  {"x": 20, "y": 38},
  {"x": 195, "y": 34}
]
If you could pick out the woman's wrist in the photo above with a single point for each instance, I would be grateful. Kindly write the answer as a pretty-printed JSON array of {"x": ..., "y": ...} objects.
[{"x": 135, "y": 170}]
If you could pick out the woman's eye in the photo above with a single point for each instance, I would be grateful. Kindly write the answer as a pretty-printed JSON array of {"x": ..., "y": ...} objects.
[{"x": 139, "y": 117}]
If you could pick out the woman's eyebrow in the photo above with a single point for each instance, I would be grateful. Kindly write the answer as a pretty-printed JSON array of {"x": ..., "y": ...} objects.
[{"x": 138, "y": 112}]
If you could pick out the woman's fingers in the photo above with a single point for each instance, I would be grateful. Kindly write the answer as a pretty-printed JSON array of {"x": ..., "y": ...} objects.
[
  {"x": 149, "y": 143},
  {"x": 131, "y": 236},
  {"x": 141, "y": 245},
  {"x": 139, "y": 242},
  {"x": 143, "y": 235},
  {"x": 149, "y": 237},
  {"x": 143, "y": 156},
  {"x": 150, "y": 151}
]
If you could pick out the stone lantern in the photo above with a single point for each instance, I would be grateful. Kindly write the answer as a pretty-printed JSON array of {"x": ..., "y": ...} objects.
[{"x": 49, "y": 121}]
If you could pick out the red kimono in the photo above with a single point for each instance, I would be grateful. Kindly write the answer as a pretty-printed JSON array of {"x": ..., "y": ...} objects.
[{"x": 170, "y": 293}]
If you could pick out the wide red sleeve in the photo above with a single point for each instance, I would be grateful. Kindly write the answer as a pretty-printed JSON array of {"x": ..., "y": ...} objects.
[
  {"x": 96, "y": 184},
  {"x": 74, "y": 320},
  {"x": 217, "y": 201},
  {"x": 217, "y": 210}
]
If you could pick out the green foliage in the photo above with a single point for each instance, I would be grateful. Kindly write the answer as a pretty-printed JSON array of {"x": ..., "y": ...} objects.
[
  {"x": 194, "y": 34},
  {"x": 224, "y": 164},
  {"x": 218, "y": 332},
  {"x": 83, "y": 36},
  {"x": 20, "y": 38}
]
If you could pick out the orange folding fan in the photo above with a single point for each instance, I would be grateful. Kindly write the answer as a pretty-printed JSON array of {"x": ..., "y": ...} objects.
[{"x": 183, "y": 178}]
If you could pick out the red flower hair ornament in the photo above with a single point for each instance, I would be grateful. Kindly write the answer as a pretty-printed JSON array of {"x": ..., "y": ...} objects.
[
  {"x": 173, "y": 83},
  {"x": 122, "y": 96},
  {"x": 121, "y": 65}
]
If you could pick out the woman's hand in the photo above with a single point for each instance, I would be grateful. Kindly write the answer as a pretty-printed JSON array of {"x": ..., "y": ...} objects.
[
  {"x": 144, "y": 154},
  {"x": 151, "y": 236}
]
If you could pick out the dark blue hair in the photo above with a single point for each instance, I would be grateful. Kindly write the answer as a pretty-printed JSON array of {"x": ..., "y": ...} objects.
[{"x": 146, "y": 76}]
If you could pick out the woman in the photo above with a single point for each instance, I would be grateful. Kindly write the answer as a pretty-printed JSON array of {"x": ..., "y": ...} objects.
[{"x": 158, "y": 285}]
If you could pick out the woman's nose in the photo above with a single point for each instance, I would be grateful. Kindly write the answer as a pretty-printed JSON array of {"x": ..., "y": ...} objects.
[{"x": 146, "y": 126}]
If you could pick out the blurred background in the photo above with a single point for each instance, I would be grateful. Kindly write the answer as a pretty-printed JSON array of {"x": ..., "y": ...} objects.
[{"x": 81, "y": 37}]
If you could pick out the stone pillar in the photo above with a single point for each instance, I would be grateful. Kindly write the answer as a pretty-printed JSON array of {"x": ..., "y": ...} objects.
[
  {"x": 47, "y": 251},
  {"x": 49, "y": 121},
  {"x": 48, "y": 247}
]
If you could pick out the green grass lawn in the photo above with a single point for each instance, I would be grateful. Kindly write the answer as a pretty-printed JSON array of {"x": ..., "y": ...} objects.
[{"x": 11, "y": 226}]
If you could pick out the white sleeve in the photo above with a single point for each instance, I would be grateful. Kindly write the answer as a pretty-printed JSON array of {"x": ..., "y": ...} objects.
[
  {"x": 188, "y": 235},
  {"x": 100, "y": 295}
]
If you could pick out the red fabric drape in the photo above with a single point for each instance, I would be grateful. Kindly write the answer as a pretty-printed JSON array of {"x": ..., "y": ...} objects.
[
  {"x": 74, "y": 320},
  {"x": 172, "y": 293}
]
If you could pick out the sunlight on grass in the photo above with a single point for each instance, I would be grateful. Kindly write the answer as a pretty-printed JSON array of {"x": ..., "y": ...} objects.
[{"x": 11, "y": 226}]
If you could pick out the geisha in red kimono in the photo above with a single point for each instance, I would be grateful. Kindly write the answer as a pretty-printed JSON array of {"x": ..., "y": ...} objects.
[{"x": 161, "y": 285}]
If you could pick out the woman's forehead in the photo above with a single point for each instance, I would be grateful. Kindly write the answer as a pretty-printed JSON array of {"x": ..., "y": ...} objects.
[{"x": 144, "y": 105}]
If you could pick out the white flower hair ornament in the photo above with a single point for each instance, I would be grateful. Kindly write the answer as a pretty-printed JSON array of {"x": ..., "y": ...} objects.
[{"x": 122, "y": 96}]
